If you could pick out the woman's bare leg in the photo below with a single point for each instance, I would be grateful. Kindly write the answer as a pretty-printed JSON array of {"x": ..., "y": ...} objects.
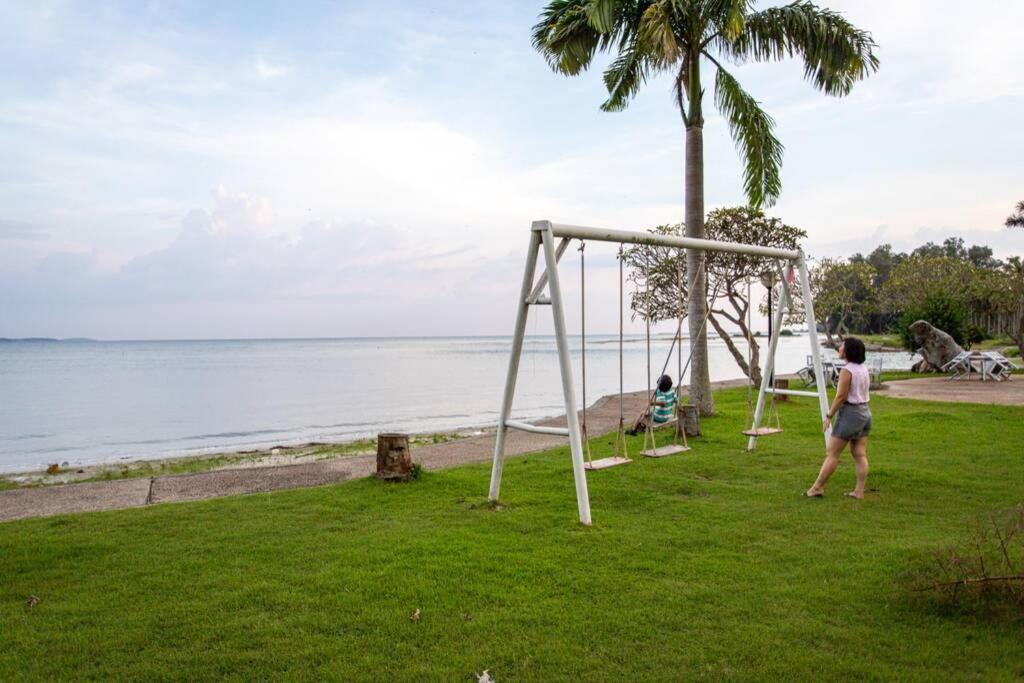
[
  {"x": 832, "y": 453},
  {"x": 859, "y": 450}
]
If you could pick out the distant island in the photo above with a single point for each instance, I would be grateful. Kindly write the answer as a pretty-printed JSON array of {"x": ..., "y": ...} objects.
[{"x": 46, "y": 339}]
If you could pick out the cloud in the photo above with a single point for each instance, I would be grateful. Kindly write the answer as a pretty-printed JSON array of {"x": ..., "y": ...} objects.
[
  {"x": 20, "y": 230},
  {"x": 265, "y": 70}
]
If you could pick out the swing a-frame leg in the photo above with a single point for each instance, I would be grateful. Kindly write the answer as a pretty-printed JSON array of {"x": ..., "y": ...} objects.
[{"x": 542, "y": 242}]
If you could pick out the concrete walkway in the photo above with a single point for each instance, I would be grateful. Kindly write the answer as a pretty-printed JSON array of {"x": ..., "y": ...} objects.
[
  {"x": 1006, "y": 393},
  {"x": 602, "y": 417}
]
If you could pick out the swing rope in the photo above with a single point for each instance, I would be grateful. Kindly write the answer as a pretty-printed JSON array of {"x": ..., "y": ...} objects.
[
  {"x": 583, "y": 347},
  {"x": 621, "y": 450},
  {"x": 649, "y": 431}
]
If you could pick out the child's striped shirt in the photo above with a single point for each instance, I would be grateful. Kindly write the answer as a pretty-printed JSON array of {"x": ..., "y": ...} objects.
[{"x": 664, "y": 413}]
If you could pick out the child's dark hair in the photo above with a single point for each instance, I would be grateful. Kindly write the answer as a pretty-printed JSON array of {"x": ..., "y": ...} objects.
[
  {"x": 664, "y": 383},
  {"x": 854, "y": 348}
]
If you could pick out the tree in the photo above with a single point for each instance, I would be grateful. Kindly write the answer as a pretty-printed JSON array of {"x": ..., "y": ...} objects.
[
  {"x": 727, "y": 276},
  {"x": 981, "y": 257},
  {"x": 1016, "y": 219},
  {"x": 883, "y": 259},
  {"x": 1000, "y": 296},
  {"x": 926, "y": 286},
  {"x": 679, "y": 37},
  {"x": 842, "y": 291}
]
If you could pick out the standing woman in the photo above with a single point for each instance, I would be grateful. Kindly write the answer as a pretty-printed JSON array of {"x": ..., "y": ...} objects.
[{"x": 853, "y": 420}]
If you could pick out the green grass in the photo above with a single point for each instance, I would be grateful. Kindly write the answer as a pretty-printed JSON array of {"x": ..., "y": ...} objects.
[
  {"x": 890, "y": 340},
  {"x": 708, "y": 564}
]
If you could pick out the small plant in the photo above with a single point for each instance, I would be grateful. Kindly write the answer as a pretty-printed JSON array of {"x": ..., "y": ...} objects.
[
  {"x": 416, "y": 472},
  {"x": 984, "y": 572}
]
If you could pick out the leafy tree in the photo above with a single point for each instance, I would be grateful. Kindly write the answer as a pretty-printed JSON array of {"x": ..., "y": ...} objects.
[
  {"x": 928, "y": 285},
  {"x": 953, "y": 247},
  {"x": 1016, "y": 219},
  {"x": 883, "y": 259},
  {"x": 842, "y": 292},
  {"x": 727, "y": 274},
  {"x": 681, "y": 38},
  {"x": 943, "y": 310},
  {"x": 999, "y": 298},
  {"x": 981, "y": 257}
]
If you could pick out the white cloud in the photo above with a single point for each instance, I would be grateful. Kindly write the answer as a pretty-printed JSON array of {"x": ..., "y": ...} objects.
[{"x": 265, "y": 70}]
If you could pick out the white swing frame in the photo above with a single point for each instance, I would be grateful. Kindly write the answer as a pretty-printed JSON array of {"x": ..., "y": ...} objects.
[{"x": 542, "y": 238}]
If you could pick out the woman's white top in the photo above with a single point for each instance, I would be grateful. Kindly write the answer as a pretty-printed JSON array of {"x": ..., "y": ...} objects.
[{"x": 859, "y": 383}]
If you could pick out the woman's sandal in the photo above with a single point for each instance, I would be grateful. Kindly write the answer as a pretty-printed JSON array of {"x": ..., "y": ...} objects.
[
  {"x": 813, "y": 495},
  {"x": 849, "y": 494}
]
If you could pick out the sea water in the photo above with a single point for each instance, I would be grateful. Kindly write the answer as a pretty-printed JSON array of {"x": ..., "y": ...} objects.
[{"x": 93, "y": 402}]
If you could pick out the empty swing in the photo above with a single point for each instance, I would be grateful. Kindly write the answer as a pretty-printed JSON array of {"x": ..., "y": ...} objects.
[{"x": 621, "y": 453}]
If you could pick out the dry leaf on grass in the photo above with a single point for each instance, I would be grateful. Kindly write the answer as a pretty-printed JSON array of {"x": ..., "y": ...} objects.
[
  {"x": 485, "y": 677},
  {"x": 415, "y": 616},
  {"x": 32, "y": 601}
]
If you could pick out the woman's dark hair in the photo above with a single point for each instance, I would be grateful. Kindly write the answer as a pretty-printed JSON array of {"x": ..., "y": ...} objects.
[
  {"x": 855, "y": 351},
  {"x": 664, "y": 383}
]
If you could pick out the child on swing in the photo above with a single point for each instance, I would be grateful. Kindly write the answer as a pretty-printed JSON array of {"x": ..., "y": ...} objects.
[{"x": 662, "y": 407}]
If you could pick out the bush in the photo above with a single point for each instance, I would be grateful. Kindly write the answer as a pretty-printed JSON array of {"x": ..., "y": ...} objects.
[
  {"x": 943, "y": 312},
  {"x": 976, "y": 335}
]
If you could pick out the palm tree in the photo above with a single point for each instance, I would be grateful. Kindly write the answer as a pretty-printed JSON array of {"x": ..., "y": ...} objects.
[
  {"x": 1016, "y": 220},
  {"x": 651, "y": 37}
]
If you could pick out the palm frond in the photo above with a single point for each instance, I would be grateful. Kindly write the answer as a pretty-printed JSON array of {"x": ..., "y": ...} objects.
[
  {"x": 1016, "y": 220},
  {"x": 624, "y": 77},
  {"x": 836, "y": 53},
  {"x": 728, "y": 17},
  {"x": 752, "y": 131},
  {"x": 566, "y": 37},
  {"x": 602, "y": 14},
  {"x": 657, "y": 34}
]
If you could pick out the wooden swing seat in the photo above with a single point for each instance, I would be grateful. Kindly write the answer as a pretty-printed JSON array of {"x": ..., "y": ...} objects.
[
  {"x": 605, "y": 463},
  {"x": 762, "y": 431},
  {"x": 662, "y": 451}
]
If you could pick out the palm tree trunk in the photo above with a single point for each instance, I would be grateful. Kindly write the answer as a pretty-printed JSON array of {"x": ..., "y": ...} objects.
[{"x": 700, "y": 378}]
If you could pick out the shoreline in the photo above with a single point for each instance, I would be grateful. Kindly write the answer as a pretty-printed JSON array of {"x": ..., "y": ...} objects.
[{"x": 219, "y": 460}]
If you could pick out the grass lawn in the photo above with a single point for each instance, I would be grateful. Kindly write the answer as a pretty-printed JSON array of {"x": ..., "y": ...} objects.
[{"x": 709, "y": 564}]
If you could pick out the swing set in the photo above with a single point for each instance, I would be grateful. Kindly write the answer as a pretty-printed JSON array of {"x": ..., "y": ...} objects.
[{"x": 543, "y": 235}]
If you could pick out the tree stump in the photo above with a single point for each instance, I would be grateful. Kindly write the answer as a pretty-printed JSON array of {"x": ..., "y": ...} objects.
[
  {"x": 781, "y": 384},
  {"x": 689, "y": 417},
  {"x": 394, "y": 460}
]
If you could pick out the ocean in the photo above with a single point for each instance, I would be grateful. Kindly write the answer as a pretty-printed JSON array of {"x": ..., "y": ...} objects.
[{"x": 95, "y": 402}]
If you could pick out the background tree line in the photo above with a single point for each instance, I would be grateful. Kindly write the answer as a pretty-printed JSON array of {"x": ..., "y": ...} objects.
[{"x": 963, "y": 290}]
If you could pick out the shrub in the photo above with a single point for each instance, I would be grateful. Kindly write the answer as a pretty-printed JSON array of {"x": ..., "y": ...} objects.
[
  {"x": 942, "y": 311},
  {"x": 983, "y": 573}
]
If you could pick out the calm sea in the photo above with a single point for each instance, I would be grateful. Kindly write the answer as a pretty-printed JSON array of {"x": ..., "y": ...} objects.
[{"x": 91, "y": 402}]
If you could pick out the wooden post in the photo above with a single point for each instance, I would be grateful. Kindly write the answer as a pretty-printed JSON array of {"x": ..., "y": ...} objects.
[
  {"x": 781, "y": 384},
  {"x": 394, "y": 460}
]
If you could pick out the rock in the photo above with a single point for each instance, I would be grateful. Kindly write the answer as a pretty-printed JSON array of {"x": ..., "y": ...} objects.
[
  {"x": 935, "y": 346},
  {"x": 53, "y": 469}
]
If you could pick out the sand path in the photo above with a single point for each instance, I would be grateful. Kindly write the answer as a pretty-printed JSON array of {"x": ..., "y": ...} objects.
[
  {"x": 1007, "y": 393},
  {"x": 602, "y": 417}
]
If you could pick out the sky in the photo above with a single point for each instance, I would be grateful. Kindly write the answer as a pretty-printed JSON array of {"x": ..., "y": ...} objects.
[{"x": 266, "y": 169}]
